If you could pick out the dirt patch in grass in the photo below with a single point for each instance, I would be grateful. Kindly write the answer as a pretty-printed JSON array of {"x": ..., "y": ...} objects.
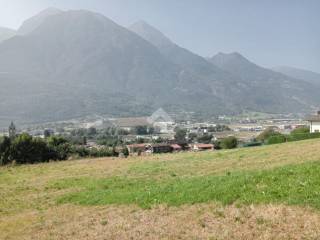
[{"x": 204, "y": 221}]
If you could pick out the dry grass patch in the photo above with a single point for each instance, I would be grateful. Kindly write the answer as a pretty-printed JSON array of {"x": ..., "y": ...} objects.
[{"x": 205, "y": 221}]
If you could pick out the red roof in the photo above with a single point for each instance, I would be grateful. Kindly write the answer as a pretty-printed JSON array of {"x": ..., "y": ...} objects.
[
  {"x": 176, "y": 146},
  {"x": 203, "y": 145}
]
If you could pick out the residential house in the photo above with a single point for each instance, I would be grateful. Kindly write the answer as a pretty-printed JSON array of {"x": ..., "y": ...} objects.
[
  {"x": 161, "y": 148},
  {"x": 201, "y": 147},
  {"x": 314, "y": 121},
  {"x": 176, "y": 147}
]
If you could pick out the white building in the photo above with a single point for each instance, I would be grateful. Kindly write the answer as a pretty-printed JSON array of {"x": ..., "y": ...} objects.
[
  {"x": 161, "y": 120},
  {"x": 314, "y": 121}
]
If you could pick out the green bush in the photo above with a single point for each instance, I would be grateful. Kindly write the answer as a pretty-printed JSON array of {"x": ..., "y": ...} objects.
[
  {"x": 229, "y": 143},
  {"x": 302, "y": 136},
  {"x": 266, "y": 134},
  {"x": 5, "y": 151},
  {"x": 301, "y": 130},
  {"x": 26, "y": 149},
  {"x": 277, "y": 139}
]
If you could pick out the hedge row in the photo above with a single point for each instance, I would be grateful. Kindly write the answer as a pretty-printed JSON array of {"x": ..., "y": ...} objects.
[{"x": 280, "y": 138}]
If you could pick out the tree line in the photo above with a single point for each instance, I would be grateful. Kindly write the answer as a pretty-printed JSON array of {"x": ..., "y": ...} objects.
[{"x": 25, "y": 149}]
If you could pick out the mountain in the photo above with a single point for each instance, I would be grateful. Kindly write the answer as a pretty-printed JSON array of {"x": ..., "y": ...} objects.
[
  {"x": 32, "y": 23},
  {"x": 68, "y": 64},
  {"x": 180, "y": 56},
  {"x": 240, "y": 83},
  {"x": 267, "y": 89},
  {"x": 306, "y": 75},
  {"x": 78, "y": 63},
  {"x": 219, "y": 88},
  {"x": 6, "y": 33}
]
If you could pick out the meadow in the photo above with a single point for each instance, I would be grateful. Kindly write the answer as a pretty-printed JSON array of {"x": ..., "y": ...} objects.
[{"x": 269, "y": 192}]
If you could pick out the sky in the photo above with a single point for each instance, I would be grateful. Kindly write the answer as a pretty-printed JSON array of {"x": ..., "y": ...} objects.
[{"x": 267, "y": 32}]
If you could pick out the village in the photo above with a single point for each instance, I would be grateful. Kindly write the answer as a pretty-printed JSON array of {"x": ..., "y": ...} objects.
[{"x": 159, "y": 132}]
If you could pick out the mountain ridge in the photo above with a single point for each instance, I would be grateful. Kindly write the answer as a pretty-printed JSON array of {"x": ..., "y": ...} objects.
[
  {"x": 6, "y": 33},
  {"x": 74, "y": 63}
]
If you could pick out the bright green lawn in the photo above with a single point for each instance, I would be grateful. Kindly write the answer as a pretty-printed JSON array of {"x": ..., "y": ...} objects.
[{"x": 296, "y": 184}]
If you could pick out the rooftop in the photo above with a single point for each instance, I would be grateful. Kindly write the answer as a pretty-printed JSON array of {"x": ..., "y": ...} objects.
[{"x": 314, "y": 118}]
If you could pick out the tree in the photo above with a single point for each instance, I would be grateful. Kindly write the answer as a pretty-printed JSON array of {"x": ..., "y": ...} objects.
[
  {"x": 84, "y": 140},
  {"x": 123, "y": 132},
  {"x": 141, "y": 130},
  {"x": 180, "y": 136},
  {"x": 192, "y": 137},
  {"x": 267, "y": 133},
  {"x": 276, "y": 139},
  {"x": 125, "y": 151},
  {"x": 60, "y": 148},
  {"x": 56, "y": 141},
  {"x": 26, "y": 149},
  {"x": 151, "y": 130},
  {"x": 5, "y": 151},
  {"x": 92, "y": 131},
  {"x": 12, "y": 131},
  {"x": 47, "y": 133},
  {"x": 229, "y": 143},
  {"x": 206, "y": 138}
]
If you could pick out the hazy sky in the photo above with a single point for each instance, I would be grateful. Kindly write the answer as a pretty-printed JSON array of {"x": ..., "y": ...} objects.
[{"x": 268, "y": 32}]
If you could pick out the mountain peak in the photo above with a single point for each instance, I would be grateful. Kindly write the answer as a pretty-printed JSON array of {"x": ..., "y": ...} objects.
[
  {"x": 32, "y": 23},
  {"x": 150, "y": 33},
  {"x": 230, "y": 56},
  {"x": 230, "y": 59},
  {"x": 50, "y": 11}
]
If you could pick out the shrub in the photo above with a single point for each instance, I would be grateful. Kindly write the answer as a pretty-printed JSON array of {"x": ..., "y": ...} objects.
[
  {"x": 302, "y": 136},
  {"x": 301, "y": 130},
  {"x": 81, "y": 151},
  {"x": 26, "y": 149},
  {"x": 60, "y": 148},
  {"x": 277, "y": 139},
  {"x": 125, "y": 151},
  {"x": 229, "y": 143},
  {"x": 5, "y": 150},
  {"x": 206, "y": 138},
  {"x": 266, "y": 134}
]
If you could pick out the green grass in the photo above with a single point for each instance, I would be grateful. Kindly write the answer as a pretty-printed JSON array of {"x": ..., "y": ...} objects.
[
  {"x": 293, "y": 185},
  {"x": 40, "y": 197},
  {"x": 29, "y": 187}
]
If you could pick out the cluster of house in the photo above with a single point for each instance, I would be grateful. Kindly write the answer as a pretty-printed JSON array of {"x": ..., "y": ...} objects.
[{"x": 147, "y": 148}]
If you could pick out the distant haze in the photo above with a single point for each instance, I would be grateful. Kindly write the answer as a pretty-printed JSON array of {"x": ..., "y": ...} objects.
[{"x": 269, "y": 32}]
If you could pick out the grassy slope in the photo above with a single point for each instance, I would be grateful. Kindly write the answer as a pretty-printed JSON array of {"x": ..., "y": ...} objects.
[
  {"x": 286, "y": 173},
  {"x": 290, "y": 185}
]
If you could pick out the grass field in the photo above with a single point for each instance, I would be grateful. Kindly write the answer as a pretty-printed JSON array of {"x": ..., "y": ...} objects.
[{"x": 270, "y": 192}]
